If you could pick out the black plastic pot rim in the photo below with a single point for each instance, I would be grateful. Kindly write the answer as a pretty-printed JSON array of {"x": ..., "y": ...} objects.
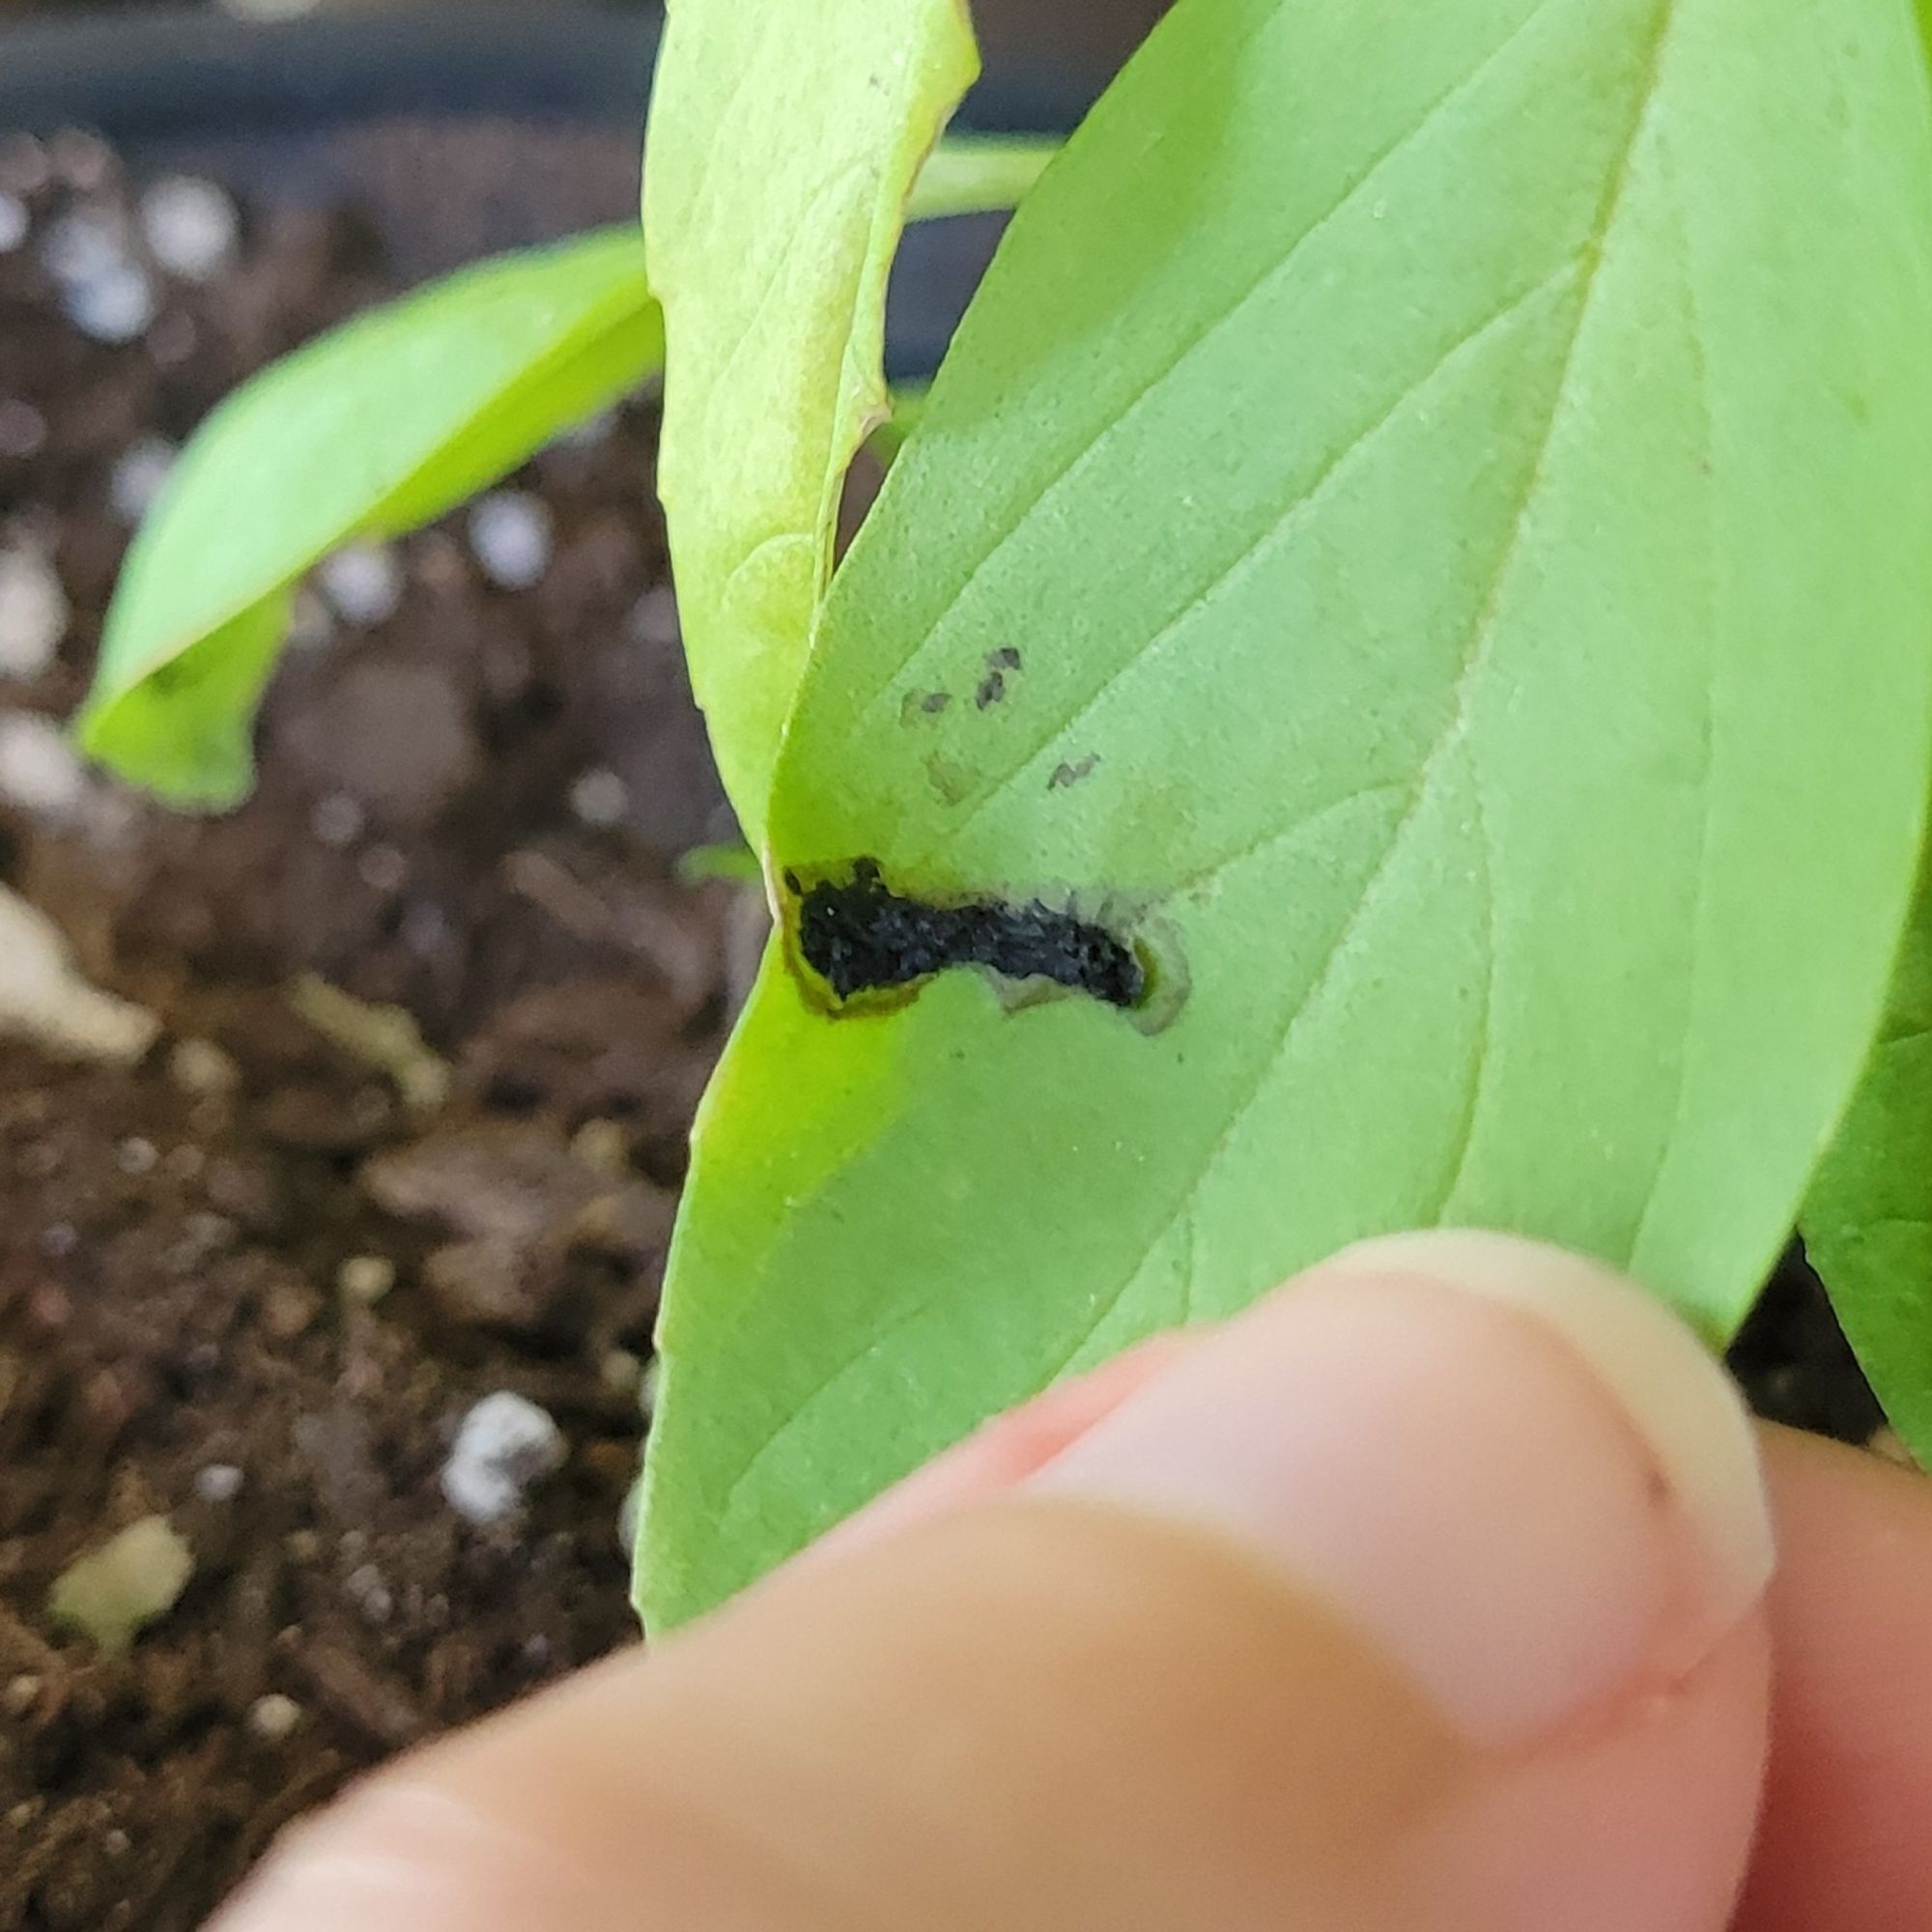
[{"x": 165, "y": 73}]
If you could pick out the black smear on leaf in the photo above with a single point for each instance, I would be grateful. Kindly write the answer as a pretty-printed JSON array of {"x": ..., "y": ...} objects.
[
  {"x": 1005, "y": 658},
  {"x": 859, "y": 937},
  {"x": 1072, "y": 775}
]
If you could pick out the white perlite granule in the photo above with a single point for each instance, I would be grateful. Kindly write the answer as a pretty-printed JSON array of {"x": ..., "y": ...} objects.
[
  {"x": 218, "y": 1483},
  {"x": 137, "y": 477},
  {"x": 273, "y": 1717},
  {"x": 363, "y": 581},
  {"x": 510, "y": 534},
  {"x": 191, "y": 226},
  {"x": 39, "y": 771},
  {"x": 505, "y": 1446},
  {"x": 116, "y": 308},
  {"x": 600, "y": 798},
  {"x": 33, "y": 612},
  {"x": 43, "y": 998}
]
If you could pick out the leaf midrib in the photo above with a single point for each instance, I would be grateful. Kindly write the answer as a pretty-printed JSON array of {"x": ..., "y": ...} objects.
[
  {"x": 1089, "y": 451},
  {"x": 1475, "y": 655}
]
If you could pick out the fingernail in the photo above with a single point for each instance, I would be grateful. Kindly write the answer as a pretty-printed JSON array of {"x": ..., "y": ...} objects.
[{"x": 1509, "y": 1469}]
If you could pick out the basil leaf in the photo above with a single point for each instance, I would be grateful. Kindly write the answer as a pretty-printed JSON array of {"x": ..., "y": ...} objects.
[
  {"x": 1422, "y": 533},
  {"x": 784, "y": 144},
  {"x": 1867, "y": 1220}
]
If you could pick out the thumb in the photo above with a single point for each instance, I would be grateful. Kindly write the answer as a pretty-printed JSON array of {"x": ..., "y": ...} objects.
[{"x": 1425, "y": 1596}]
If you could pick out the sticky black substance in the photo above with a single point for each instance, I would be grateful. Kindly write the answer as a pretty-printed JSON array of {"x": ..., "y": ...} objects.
[{"x": 860, "y": 936}]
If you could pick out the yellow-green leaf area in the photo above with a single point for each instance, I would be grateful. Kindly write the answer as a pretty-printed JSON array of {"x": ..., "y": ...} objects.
[{"x": 784, "y": 144}]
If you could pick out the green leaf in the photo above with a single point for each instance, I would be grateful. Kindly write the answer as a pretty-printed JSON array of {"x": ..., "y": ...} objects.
[
  {"x": 784, "y": 143},
  {"x": 908, "y": 405},
  {"x": 374, "y": 429},
  {"x": 737, "y": 862},
  {"x": 1867, "y": 1220},
  {"x": 1444, "y": 492}
]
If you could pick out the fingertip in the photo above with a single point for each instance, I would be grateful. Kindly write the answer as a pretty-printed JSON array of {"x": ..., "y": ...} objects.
[
  {"x": 1850, "y": 1612},
  {"x": 1379, "y": 1607},
  {"x": 1508, "y": 1465},
  {"x": 1007, "y": 1450}
]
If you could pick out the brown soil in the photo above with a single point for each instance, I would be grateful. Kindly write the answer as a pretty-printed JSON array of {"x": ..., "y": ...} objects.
[
  {"x": 473, "y": 807},
  {"x": 172, "y": 1237}
]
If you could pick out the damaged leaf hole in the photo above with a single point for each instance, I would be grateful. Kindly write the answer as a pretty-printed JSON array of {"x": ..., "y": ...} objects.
[{"x": 861, "y": 937}]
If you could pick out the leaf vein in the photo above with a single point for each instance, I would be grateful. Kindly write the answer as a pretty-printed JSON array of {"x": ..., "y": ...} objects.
[
  {"x": 1280, "y": 524},
  {"x": 1463, "y": 1141},
  {"x": 1712, "y": 628},
  {"x": 1089, "y": 451},
  {"x": 1279, "y": 834},
  {"x": 1475, "y": 654}
]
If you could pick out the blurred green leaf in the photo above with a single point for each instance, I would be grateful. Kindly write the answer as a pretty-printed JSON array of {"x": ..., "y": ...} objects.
[
  {"x": 1422, "y": 530},
  {"x": 784, "y": 144},
  {"x": 376, "y": 428},
  {"x": 738, "y": 863},
  {"x": 980, "y": 174}
]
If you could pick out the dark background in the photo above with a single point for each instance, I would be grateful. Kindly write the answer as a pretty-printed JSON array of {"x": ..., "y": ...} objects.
[
  {"x": 1089, "y": 28},
  {"x": 464, "y": 126}
]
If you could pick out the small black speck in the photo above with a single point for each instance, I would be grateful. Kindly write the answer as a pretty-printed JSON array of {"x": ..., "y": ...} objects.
[
  {"x": 1072, "y": 775},
  {"x": 934, "y": 702},
  {"x": 1005, "y": 658},
  {"x": 792, "y": 883},
  {"x": 992, "y": 688}
]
